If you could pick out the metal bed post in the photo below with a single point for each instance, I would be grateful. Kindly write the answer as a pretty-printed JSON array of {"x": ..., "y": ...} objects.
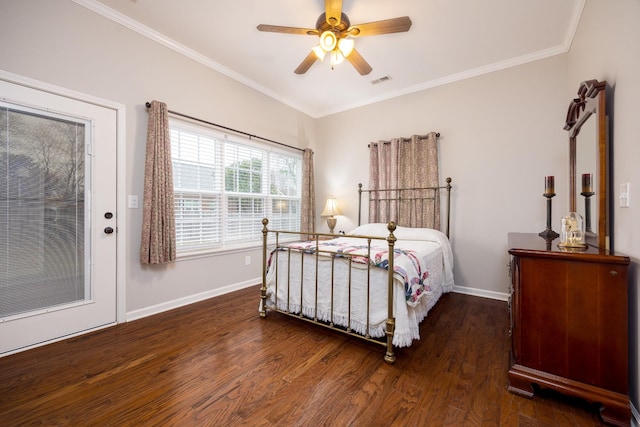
[
  {"x": 448, "y": 204},
  {"x": 263, "y": 289},
  {"x": 389, "y": 356},
  {"x": 359, "y": 203}
]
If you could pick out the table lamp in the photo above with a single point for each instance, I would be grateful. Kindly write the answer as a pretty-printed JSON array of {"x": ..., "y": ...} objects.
[{"x": 330, "y": 209}]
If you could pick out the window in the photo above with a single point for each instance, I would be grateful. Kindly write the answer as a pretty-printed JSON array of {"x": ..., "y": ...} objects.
[{"x": 224, "y": 185}]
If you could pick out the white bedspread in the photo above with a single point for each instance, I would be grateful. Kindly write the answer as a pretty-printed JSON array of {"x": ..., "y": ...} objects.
[{"x": 295, "y": 282}]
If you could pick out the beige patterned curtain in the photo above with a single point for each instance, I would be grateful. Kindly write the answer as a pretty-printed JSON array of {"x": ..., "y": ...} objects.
[
  {"x": 308, "y": 202},
  {"x": 405, "y": 163},
  {"x": 158, "y": 244}
]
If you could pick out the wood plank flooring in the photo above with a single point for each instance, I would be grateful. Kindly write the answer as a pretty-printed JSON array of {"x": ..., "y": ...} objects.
[{"x": 218, "y": 363}]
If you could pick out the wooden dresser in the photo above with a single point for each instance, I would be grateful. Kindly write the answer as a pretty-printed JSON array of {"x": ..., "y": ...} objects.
[{"x": 569, "y": 327}]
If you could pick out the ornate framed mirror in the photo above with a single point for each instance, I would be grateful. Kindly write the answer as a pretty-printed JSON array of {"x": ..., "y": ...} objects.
[{"x": 589, "y": 161}]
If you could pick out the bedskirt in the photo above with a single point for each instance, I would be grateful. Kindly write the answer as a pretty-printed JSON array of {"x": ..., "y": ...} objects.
[{"x": 350, "y": 294}]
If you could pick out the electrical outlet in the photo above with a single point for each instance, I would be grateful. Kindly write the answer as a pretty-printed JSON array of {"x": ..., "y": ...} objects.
[{"x": 247, "y": 260}]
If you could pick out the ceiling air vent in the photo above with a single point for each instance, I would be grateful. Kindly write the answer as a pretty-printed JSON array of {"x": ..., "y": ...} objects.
[{"x": 380, "y": 80}]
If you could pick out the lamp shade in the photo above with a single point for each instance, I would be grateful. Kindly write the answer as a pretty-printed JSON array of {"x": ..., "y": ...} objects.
[
  {"x": 346, "y": 46},
  {"x": 331, "y": 207},
  {"x": 336, "y": 57},
  {"x": 320, "y": 53},
  {"x": 328, "y": 41}
]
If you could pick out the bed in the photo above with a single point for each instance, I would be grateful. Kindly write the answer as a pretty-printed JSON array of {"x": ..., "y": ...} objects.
[{"x": 349, "y": 282}]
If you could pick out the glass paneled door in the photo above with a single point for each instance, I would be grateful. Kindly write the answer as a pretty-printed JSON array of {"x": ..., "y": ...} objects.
[{"x": 57, "y": 216}]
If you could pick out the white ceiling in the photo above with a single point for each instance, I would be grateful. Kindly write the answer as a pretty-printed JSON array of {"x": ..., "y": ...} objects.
[{"x": 449, "y": 40}]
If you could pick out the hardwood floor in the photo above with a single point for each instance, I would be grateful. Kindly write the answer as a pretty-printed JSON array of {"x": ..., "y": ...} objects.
[{"x": 218, "y": 363}]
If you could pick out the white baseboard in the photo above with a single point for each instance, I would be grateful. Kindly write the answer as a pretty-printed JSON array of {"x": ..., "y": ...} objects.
[
  {"x": 635, "y": 416},
  {"x": 501, "y": 296},
  {"x": 170, "y": 305}
]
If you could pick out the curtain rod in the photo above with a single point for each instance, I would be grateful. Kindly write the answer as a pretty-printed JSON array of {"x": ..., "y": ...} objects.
[
  {"x": 148, "y": 104},
  {"x": 420, "y": 137}
]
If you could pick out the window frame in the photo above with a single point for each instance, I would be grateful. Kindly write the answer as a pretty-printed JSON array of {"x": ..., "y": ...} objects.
[{"x": 222, "y": 241}]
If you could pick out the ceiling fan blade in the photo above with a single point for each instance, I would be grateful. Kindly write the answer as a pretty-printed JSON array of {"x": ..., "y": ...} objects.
[
  {"x": 333, "y": 9},
  {"x": 386, "y": 26},
  {"x": 306, "y": 63},
  {"x": 287, "y": 30},
  {"x": 359, "y": 63}
]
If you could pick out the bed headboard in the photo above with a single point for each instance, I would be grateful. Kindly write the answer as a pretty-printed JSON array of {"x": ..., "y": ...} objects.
[{"x": 421, "y": 200}]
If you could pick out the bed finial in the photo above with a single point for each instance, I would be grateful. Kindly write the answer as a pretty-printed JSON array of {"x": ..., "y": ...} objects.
[{"x": 391, "y": 238}]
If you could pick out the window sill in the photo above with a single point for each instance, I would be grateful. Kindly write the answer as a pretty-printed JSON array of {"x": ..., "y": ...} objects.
[{"x": 206, "y": 253}]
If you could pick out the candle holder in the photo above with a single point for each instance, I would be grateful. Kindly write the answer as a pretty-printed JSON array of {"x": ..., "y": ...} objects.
[
  {"x": 587, "y": 210},
  {"x": 548, "y": 241},
  {"x": 548, "y": 233}
]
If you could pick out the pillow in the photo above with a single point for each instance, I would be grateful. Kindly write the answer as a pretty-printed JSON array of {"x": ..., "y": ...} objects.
[
  {"x": 409, "y": 233},
  {"x": 405, "y": 233},
  {"x": 378, "y": 229}
]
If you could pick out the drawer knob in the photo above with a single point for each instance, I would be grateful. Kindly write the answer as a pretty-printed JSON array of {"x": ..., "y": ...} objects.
[{"x": 613, "y": 272}]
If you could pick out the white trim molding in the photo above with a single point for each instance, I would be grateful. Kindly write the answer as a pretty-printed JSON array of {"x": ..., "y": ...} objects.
[
  {"x": 500, "y": 296},
  {"x": 191, "y": 299}
]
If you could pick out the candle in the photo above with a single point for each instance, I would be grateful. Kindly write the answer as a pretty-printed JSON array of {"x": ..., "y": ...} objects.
[
  {"x": 548, "y": 185},
  {"x": 587, "y": 186}
]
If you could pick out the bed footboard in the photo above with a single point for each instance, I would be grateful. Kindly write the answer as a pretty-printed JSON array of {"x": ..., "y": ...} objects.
[{"x": 339, "y": 285}]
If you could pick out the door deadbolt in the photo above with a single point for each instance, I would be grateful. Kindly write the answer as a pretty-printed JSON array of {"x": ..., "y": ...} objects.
[{"x": 108, "y": 215}]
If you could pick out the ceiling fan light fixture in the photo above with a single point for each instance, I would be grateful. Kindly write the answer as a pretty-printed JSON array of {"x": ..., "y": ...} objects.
[
  {"x": 320, "y": 53},
  {"x": 336, "y": 57},
  {"x": 328, "y": 41},
  {"x": 346, "y": 46},
  {"x": 335, "y": 33}
]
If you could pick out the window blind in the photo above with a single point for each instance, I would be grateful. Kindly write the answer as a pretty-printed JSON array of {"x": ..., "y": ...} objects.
[{"x": 224, "y": 186}]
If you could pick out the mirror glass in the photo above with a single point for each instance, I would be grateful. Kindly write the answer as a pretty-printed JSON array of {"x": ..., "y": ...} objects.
[{"x": 586, "y": 176}]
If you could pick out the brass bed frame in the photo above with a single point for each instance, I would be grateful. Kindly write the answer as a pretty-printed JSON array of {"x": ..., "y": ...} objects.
[{"x": 386, "y": 196}]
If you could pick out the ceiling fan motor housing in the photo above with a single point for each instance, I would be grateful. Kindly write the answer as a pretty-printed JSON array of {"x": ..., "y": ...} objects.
[{"x": 322, "y": 25}]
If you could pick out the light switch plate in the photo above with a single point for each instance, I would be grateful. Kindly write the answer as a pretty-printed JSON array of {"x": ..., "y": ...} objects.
[
  {"x": 133, "y": 201},
  {"x": 624, "y": 195}
]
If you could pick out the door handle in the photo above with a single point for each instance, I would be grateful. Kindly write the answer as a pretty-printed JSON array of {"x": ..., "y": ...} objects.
[{"x": 108, "y": 230}]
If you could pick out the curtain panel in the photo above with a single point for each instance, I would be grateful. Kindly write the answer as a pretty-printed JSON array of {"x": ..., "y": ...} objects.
[
  {"x": 308, "y": 196},
  {"x": 405, "y": 163},
  {"x": 158, "y": 242}
]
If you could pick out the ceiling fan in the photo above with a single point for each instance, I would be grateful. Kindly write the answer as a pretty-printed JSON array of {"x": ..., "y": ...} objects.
[{"x": 336, "y": 36}]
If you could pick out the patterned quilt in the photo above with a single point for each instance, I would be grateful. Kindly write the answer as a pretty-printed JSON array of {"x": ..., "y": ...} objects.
[{"x": 408, "y": 264}]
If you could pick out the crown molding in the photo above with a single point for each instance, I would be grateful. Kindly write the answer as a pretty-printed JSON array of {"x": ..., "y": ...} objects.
[{"x": 151, "y": 34}]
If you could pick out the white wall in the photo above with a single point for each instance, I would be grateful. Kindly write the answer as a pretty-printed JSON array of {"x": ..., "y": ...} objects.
[
  {"x": 606, "y": 47},
  {"x": 501, "y": 133},
  {"x": 62, "y": 43}
]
